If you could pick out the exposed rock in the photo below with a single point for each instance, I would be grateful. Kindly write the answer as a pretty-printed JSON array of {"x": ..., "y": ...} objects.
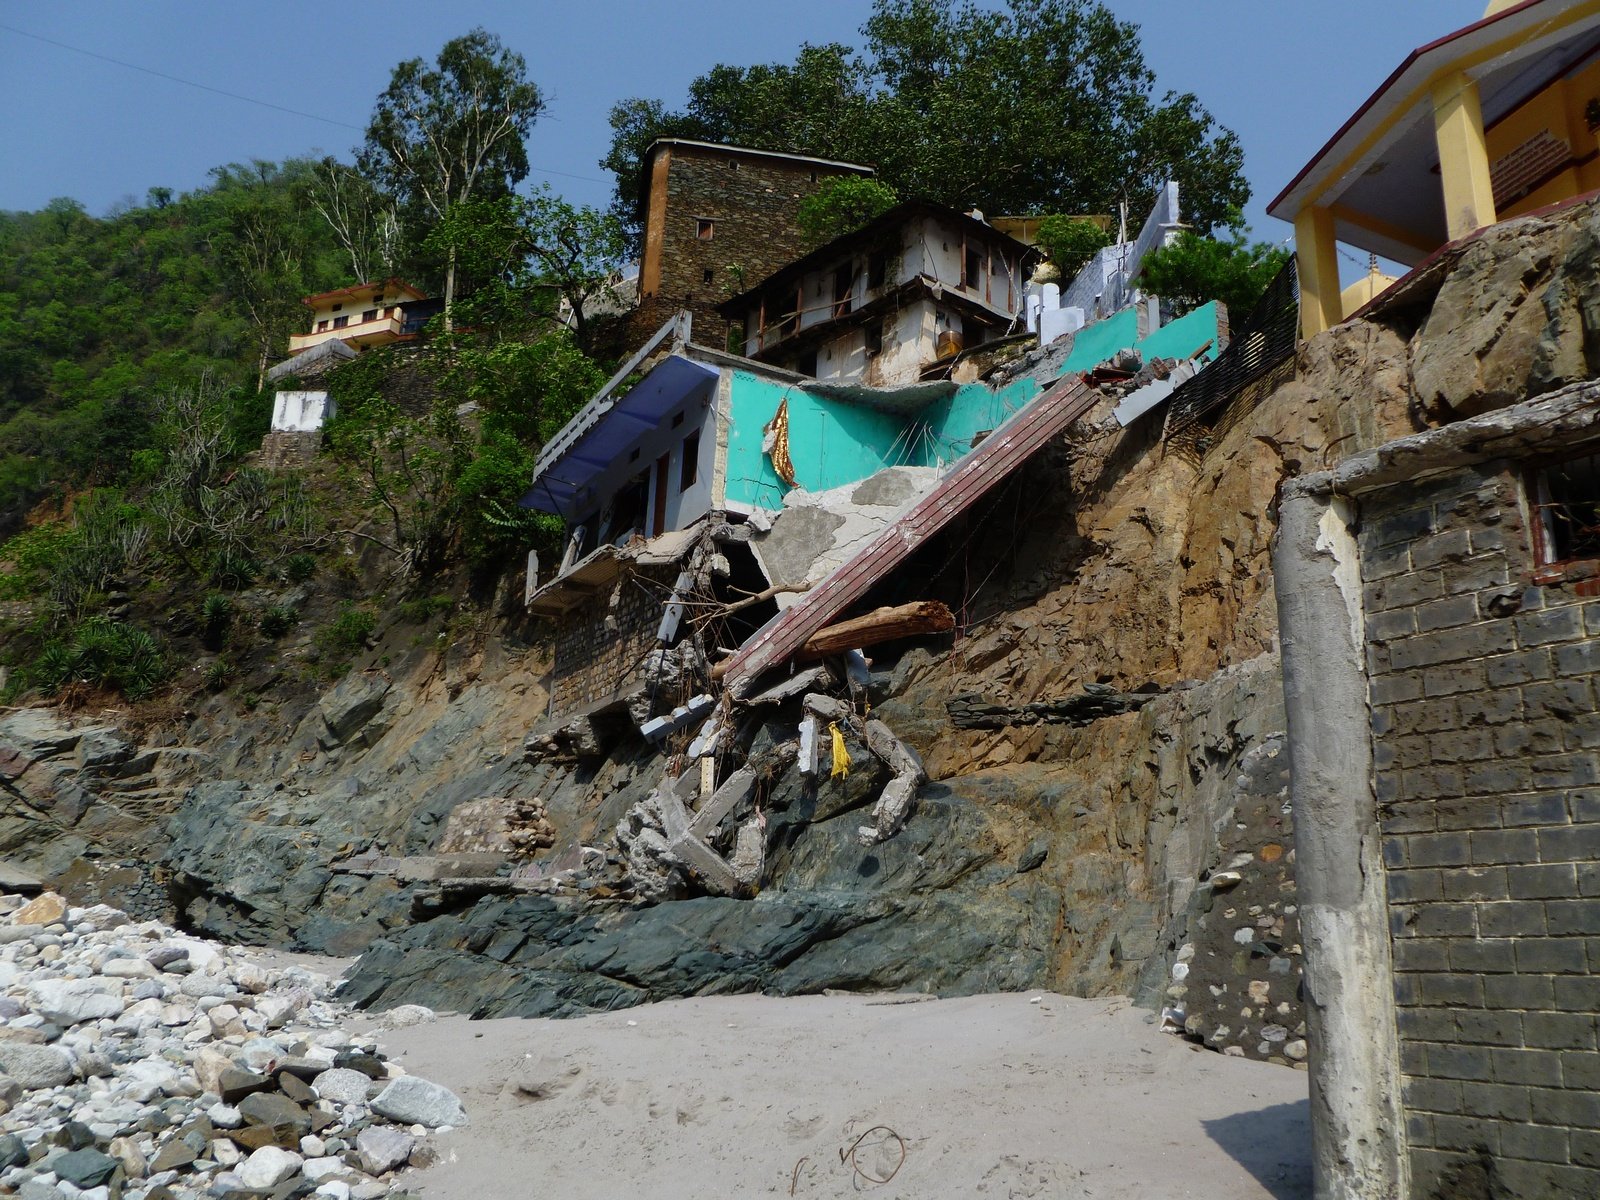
[
  {"x": 382, "y": 1149},
  {"x": 342, "y": 1086},
  {"x": 45, "y": 909}
]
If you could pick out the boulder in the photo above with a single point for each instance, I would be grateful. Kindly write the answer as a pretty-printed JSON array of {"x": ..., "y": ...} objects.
[
  {"x": 342, "y": 1086},
  {"x": 276, "y": 1109},
  {"x": 35, "y": 1066},
  {"x": 383, "y": 1149},
  {"x": 45, "y": 909},
  {"x": 414, "y": 1101},
  {"x": 85, "y": 1168},
  {"x": 268, "y": 1167}
]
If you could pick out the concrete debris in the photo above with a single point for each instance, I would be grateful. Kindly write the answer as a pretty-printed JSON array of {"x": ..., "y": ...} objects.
[{"x": 894, "y": 802}]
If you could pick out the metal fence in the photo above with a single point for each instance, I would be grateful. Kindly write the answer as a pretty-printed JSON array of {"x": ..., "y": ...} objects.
[{"x": 1261, "y": 343}]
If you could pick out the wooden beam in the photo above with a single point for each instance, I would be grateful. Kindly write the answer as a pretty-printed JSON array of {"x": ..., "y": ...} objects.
[{"x": 881, "y": 625}]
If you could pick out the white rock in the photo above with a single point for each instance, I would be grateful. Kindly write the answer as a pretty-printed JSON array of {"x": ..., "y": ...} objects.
[
  {"x": 342, "y": 1086},
  {"x": 383, "y": 1149},
  {"x": 35, "y": 1066},
  {"x": 316, "y": 1169},
  {"x": 405, "y": 1015},
  {"x": 268, "y": 1167},
  {"x": 225, "y": 1152},
  {"x": 224, "y": 1116},
  {"x": 128, "y": 968},
  {"x": 412, "y": 1100},
  {"x": 73, "y": 1001},
  {"x": 312, "y": 1146},
  {"x": 334, "y": 1189}
]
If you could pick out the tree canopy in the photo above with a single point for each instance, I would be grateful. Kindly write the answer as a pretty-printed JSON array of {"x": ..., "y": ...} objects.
[
  {"x": 446, "y": 135},
  {"x": 1041, "y": 106}
]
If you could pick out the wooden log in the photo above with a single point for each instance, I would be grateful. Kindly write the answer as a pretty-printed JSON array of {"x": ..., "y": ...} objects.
[{"x": 881, "y": 625}]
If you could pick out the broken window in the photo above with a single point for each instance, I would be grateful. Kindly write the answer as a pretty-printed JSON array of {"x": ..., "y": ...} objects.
[
  {"x": 877, "y": 269},
  {"x": 806, "y": 364},
  {"x": 844, "y": 282},
  {"x": 1566, "y": 504},
  {"x": 974, "y": 263},
  {"x": 690, "y": 471},
  {"x": 704, "y": 228},
  {"x": 874, "y": 336}
]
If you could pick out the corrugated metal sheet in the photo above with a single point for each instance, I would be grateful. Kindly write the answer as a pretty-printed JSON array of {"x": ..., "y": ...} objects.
[{"x": 999, "y": 454}]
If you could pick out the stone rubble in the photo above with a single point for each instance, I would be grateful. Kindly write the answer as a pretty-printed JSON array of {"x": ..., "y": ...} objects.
[{"x": 139, "y": 1063}]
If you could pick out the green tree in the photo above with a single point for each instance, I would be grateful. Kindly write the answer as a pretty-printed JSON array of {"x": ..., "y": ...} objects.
[
  {"x": 1195, "y": 270},
  {"x": 444, "y": 135},
  {"x": 1041, "y": 105},
  {"x": 842, "y": 204},
  {"x": 1070, "y": 242}
]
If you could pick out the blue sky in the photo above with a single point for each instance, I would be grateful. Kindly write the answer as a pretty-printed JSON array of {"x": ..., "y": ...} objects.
[{"x": 1282, "y": 73}]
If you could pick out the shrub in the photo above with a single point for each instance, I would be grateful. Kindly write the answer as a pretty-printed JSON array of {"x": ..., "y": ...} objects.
[
  {"x": 420, "y": 609},
  {"x": 216, "y": 614},
  {"x": 232, "y": 570},
  {"x": 300, "y": 567},
  {"x": 105, "y": 653},
  {"x": 218, "y": 675},
  {"x": 1070, "y": 242},
  {"x": 350, "y": 630},
  {"x": 278, "y": 620},
  {"x": 840, "y": 205}
]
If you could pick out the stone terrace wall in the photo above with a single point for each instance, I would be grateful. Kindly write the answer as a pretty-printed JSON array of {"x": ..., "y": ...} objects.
[{"x": 1485, "y": 735}]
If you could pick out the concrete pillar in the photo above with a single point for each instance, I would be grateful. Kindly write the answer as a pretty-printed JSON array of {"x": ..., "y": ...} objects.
[
  {"x": 1317, "y": 255},
  {"x": 1463, "y": 155},
  {"x": 1357, "y": 1141}
]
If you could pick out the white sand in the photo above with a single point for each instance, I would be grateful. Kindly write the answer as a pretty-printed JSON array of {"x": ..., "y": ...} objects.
[{"x": 724, "y": 1097}]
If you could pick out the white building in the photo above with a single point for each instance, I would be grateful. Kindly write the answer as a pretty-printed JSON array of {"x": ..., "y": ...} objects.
[{"x": 889, "y": 303}]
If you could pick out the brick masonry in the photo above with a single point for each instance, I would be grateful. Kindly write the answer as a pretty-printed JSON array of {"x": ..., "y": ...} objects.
[
  {"x": 1485, "y": 737},
  {"x": 753, "y": 203},
  {"x": 601, "y": 644}
]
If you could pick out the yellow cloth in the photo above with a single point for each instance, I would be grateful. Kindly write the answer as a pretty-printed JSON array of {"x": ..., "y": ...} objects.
[{"x": 841, "y": 756}]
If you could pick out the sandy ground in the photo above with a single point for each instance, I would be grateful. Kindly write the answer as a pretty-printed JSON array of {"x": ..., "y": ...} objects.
[{"x": 989, "y": 1096}]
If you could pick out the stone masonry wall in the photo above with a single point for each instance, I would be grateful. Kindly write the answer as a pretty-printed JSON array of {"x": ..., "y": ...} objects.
[
  {"x": 753, "y": 204},
  {"x": 597, "y": 645},
  {"x": 1485, "y": 737}
]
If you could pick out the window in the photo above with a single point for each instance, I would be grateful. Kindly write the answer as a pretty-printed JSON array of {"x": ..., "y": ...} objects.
[
  {"x": 340, "y": 322},
  {"x": 677, "y": 419},
  {"x": 844, "y": 282},
  {"x": 322, "y": 326},
  {"x": 370, "y": 315},
  {"x": 877, "y": 269},
  {"x": 970, "y": 279},
  {"x": 1566, "y": 505},
  {"x": 705, "y": 228},
  {"x": 806, "y": 364},
  {"x": 813, "y": 177},
  {"x": 705, "y": 276},
  {"x": 874, "y": 334},
  {"x": 336, "y": 307},
  {"x": 690, "y": 469}
]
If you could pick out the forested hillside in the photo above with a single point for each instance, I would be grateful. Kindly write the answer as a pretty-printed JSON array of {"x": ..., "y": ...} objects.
[{"x": 98, "y": 316}]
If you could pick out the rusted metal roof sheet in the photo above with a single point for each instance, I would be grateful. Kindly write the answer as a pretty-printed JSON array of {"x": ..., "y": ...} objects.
[{"x": 995, "y": 458}]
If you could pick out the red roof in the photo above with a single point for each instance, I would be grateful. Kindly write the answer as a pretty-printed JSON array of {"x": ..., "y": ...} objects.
[{"x": 357, "y": 289}]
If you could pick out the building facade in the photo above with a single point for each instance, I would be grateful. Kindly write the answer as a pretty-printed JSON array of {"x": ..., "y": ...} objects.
[
  {"x": 362, "y": 316},
  {"x": 883, "y": 304}
]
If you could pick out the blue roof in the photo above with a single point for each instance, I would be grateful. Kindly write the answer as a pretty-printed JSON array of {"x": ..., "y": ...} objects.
[{"x": 607, "y": 428}]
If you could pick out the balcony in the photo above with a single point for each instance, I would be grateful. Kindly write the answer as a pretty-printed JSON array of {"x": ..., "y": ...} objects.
[{"x": 378, "y": 332}]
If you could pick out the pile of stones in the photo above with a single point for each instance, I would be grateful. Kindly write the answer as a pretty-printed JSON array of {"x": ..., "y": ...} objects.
[{"x": 137, "y": 1063}]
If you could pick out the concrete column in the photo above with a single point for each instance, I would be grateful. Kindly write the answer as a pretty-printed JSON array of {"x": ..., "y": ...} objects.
[
  {"x": 1316, "y": 252},
  {"x": 1357, "y": 1141},
  {"x": 1463, "y": 155}
]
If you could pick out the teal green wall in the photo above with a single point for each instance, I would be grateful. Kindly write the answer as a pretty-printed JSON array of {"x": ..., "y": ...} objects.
[{"x": 834, "y": 442}]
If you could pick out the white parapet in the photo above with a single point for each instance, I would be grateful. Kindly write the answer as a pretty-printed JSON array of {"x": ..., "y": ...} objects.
[{"x": 300, "y": 412}]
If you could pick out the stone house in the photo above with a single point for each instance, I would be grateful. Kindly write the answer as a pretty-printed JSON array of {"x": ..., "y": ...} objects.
[
  {"x": 884, "y": 304},
  {"x": 717, "y": 219}
]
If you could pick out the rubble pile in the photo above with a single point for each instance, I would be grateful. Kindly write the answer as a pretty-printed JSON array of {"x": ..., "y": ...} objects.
[{"x": 137, "y": 1063}]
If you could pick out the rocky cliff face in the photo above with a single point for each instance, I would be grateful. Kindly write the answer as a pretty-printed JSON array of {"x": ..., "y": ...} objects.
[{"x": 1146, "y": 851}]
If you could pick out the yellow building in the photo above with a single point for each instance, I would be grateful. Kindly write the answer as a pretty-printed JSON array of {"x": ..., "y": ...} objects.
[
  {"x": 366, "y": 315},
  {"x": 1492, "y": 121}
]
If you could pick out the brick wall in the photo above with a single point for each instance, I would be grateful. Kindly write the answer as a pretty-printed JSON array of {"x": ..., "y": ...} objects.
[
  {"x": 594, "y": 657},
  {"x": 753, "y": 203},
  {"x": 1485, "y": 735}
]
